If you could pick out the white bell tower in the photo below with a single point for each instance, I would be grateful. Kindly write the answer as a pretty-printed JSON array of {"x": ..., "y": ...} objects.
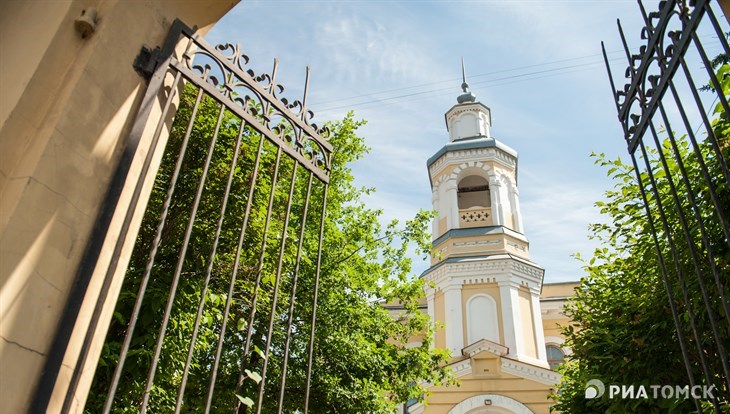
[{"x": 485, "y": 287}]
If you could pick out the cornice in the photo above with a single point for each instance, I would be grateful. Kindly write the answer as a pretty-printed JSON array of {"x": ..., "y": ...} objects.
[
  {"x": 461, "y": 368},
  {"x": 529, "y": 371},
  {"x": 497, "y": 152},
  {"x": 496, "y": 268},
  {"x": 507, "y": 365}
]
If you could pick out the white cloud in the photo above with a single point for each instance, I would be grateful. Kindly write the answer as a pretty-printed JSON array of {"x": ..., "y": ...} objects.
[
  {"x": 362, "y": 49},
  {"x": 556, "y": 215}
]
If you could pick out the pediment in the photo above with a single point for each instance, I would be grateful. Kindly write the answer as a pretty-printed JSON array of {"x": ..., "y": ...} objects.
[{"x": 485, "y": 359}]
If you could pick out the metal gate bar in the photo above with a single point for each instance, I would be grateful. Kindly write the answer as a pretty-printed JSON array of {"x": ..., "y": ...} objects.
[
  {"x": 694, "y": 240},
  {"x": 253, "y": 101},
  {"x": 310, "y": 359},
  {"x": 295, "y": 279},
  {"x": 234, "y": 275}
]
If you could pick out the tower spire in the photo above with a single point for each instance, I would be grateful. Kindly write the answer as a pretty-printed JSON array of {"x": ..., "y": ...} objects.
[
  {"x": 467, "y": 96},
  {"x": 464, "y": 85}
]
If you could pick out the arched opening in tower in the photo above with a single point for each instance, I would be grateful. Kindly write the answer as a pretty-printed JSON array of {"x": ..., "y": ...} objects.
[{"x": 473, "y": 192}]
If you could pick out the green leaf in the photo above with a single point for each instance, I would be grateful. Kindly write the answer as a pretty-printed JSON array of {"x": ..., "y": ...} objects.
[
  {"x": 259, "y": 352},
  {"x": 253, "y": 375},
  {"x": 245, "y": 401}
]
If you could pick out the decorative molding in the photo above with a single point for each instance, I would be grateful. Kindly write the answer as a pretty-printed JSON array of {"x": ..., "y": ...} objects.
[
  {"x": 552, "y": 309},
  {"x": 479, "y": 280},
  {"x": 502, "y": 268},
  {"x": 462, "y": 109},
  {"x": 485, "y": 345},
  {"x": 471, "y": 155},
  {"x": 471, "y": 404},
  {"x": 530, "y": 371},
  {"x": 517, "y": 246},
  {"x": 478, "y": 215},
  {"x": 476, "y": 243},
  {"x": 225, "y": 72},
  {"x": 461, "y": 368}
]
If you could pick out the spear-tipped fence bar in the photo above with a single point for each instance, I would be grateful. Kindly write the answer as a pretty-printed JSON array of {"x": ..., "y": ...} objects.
[{"x": 684, "y": 205}]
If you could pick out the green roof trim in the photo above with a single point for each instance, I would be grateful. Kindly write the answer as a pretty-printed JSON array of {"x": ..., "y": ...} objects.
[
  {"x": 477, "y": 231},
  {"x": 471, "y": 143}
]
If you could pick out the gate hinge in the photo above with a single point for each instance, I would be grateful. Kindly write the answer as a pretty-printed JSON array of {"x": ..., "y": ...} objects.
[{"x": 147, "y": 61}]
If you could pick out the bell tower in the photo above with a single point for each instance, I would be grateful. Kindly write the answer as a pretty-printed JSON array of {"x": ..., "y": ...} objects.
[{"x": 484, "y": 287}]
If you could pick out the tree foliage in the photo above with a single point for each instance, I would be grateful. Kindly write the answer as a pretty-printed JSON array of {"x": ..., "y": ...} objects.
[
  {"x": 360, "y": 363},
  {"x": 623, "y": 330}
]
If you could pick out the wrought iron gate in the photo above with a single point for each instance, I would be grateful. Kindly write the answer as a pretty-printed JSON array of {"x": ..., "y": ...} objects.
[
  {"x": 218, "y": 308},
  {"x": 678, "y": 136}
]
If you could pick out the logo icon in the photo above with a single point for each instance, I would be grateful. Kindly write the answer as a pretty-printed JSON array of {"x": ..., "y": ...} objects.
[{"x": 595, "y": 389}]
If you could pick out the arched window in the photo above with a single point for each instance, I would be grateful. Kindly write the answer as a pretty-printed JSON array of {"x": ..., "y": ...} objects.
[
  {"x": 555, "y": 356},
  {"x": 481, "y": 316},
  {"x": 473, "y": 191}
]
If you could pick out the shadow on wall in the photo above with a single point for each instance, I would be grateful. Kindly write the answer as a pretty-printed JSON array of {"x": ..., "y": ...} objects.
[{"x": 67, "y": 105}]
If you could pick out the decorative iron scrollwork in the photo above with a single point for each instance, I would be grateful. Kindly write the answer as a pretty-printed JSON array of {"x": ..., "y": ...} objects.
[
  {"x": 649, "y": 71},
  {"x": 225, "y": 68}
]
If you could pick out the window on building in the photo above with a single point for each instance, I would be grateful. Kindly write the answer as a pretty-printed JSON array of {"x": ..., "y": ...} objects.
[
  {"x": 555, "y": 356},
  {"x": 473, "y": 191}
]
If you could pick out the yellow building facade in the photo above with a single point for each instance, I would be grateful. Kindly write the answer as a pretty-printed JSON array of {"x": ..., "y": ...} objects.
[{"x": 501, "y": 323}]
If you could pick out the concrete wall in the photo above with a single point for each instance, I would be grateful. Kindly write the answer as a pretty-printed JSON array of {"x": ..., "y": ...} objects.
[{"x": 66, "y": 108}]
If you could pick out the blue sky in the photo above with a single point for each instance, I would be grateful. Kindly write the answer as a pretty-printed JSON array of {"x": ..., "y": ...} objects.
[{"x": 536, "y": 64}]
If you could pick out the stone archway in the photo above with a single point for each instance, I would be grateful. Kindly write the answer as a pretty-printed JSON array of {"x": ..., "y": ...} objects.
[{"x": 490, "y": 403}]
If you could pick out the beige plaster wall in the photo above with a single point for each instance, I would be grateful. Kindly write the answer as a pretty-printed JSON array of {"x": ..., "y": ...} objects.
[
  {"x": 66, "y": 107},
  {"x": 479, "y": 245},
  {"x": 441, "y": 229},
  {"x": 528, "y": 327},
  {"x": 551, "y": 327},
  {"x": 440, "y": 315},
  {"x": 553, "y": 321},
  {"x": 530, "y": 393},
  {"x": 558, "y": 290}
]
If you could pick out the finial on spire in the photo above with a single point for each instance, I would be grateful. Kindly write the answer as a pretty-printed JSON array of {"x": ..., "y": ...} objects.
[
  {"x": 464, "y": 85},
  {"x": 467, "y": 96}
]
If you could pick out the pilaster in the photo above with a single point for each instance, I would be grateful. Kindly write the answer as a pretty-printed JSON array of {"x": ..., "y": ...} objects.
[
  {"x": 495, "y": 190},
  {"x": 515, "y": 203},
  {"x": 511, "y": 326},
  {"x": 450, "y": 187},
  {"x": 454, "y": 319},
  {"x": 537, "y": 324}
]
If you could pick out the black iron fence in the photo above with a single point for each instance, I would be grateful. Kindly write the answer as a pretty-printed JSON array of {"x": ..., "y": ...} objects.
[
  {"x": 218, "y": 308},
  {"x": 674, "y": 113}
]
